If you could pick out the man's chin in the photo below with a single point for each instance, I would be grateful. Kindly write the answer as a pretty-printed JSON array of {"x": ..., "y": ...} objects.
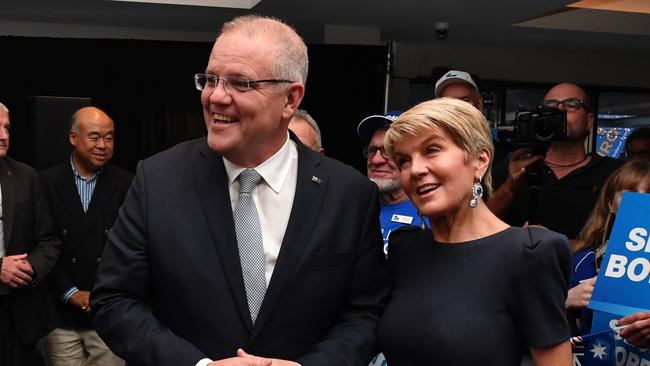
[{"x": 387, "y": 185}]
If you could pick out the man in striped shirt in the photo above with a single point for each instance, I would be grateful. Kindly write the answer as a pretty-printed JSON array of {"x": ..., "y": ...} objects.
[{"x": 85, "y": 194}]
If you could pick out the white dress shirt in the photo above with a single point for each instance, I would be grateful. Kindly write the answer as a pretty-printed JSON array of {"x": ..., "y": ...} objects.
[{"x": 273, "y": 197}]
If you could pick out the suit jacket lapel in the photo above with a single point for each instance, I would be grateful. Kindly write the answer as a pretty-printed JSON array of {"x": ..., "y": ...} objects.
[
  {"x": 311, "y": 187},
  {"x": 8, "y": 201},
  {"x": 212, "y": 187}
]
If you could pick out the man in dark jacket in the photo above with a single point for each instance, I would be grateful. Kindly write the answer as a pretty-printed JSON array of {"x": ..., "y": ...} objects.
[
  {"x": 85, "y": 194},
  {"x": 28, "y": 250}
]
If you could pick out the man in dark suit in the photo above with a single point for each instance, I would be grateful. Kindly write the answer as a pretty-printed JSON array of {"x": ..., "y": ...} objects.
[
  {"x": 28, "y": 251},
  {"x": 85, "y": 194},
  {"x": 204, "y": 264}
]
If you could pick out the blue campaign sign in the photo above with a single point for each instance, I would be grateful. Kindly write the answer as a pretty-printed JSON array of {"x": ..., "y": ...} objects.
[
  {"x": 623, "y": 285},
  {"x": 605, "y": 347},
  {"x": 610, "y": 141}
]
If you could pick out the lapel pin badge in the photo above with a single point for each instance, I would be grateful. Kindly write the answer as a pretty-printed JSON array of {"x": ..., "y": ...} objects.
[{"x": 315, "y": 179}]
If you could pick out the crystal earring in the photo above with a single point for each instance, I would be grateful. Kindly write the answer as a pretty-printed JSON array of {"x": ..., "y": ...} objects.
[
  {"x": 423, "y": 224},
  {"x": 477, "y": 193}
]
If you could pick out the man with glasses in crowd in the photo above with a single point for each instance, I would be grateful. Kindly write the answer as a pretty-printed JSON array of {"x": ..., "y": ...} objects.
[
  {"x": 570, "y": 177},
  {"x": 396, "y": 208},
  {"x": 247, "y": 245}
]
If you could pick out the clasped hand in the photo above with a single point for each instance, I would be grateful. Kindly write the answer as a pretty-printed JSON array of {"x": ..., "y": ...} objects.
[
  {"x": 244, "y": 359},
  {"x": 16, "y": 271},
  {"x": 81, "y": 299}
]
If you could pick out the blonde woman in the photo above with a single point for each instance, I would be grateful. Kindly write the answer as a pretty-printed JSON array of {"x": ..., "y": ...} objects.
[
  {"x": 470, "y": 290},
  {"x": 591, "y": 243}
]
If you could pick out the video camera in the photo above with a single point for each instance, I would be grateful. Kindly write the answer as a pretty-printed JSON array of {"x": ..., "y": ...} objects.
[{"x": 535, "y": 127}]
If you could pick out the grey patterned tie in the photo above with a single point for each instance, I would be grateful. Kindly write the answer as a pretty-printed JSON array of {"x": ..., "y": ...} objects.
[{"x": 249, "y": 242}]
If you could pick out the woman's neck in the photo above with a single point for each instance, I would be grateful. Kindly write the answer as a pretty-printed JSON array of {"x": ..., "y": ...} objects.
[{"x": 466, "y": 224}]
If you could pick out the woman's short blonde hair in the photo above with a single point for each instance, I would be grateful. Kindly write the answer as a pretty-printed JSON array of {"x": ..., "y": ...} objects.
[{"x": 465, "y": 124}]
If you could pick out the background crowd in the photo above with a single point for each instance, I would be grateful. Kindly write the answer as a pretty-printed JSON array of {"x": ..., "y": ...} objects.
[{"x": 251, "y": 247}]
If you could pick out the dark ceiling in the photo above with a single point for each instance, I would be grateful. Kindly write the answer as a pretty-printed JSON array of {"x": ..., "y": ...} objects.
[{"x": 473, "y": 22}]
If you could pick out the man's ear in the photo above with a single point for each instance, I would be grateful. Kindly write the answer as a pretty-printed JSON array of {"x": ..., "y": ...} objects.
[
  {"x": 294, "y": 94},
  {"x": 590, "y": 121},
  {"x": 73, "y": 138}
]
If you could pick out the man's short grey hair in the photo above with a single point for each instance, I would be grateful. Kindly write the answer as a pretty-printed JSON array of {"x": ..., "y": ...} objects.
[
  {"x": 74, "y": 123},
  {"x": 4, "y": 108},
  {"x": 303, "y": 115},
  {"x": 291, "y": 61}
]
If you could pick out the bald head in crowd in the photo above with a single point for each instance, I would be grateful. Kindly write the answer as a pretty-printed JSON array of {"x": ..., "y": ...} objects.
[
  {"x": 92, "y": 139},
  {"x": 306, "y": 128}
]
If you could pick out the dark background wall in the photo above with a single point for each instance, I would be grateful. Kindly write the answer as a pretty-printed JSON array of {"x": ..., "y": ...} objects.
[{"x": 147, "y": 87}]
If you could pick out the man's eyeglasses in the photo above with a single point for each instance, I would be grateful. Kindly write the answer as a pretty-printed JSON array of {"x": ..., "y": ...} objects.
[
  {"x": 571, "y": 104},
  {"x": 208, "y": 81},
  {"x": 369, "y": 152}
]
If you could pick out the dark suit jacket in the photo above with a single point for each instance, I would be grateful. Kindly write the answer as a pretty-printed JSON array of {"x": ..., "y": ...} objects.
[
  {"x": 170, "y": 289},
  {"x": 83, "y": 234},
  {"x": 28, "y": 228}
]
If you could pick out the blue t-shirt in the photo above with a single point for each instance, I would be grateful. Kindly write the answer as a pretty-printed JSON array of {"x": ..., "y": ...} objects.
[
  {"x": 396, "y": 215},
  {"x": 584, "y": 268}
]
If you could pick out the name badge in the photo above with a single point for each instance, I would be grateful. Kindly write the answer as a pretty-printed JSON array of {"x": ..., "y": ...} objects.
[{"x": 402, "y": 219}]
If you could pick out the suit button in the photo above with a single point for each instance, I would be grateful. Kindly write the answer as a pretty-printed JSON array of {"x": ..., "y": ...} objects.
[
  {"x": 105, "y": 231},
  {"x": 64, "y": 232},
  {"x": 99, "y": 260},
  {"x": 74, "y": 260}
]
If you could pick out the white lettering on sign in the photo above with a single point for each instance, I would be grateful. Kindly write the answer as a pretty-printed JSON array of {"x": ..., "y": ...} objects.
[
  {"x": 638, "y": 237},
  {"x": 637, "y": 271},
  {"x": 644, "y": 264},
  {"x": 616, "y": 266}
]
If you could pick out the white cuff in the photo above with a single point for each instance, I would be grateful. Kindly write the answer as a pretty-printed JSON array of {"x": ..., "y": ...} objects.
[{"x": 204, "y": 362}]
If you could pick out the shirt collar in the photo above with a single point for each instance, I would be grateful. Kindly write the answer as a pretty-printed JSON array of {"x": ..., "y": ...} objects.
[
  {"x": 76, "y": 173},
  {"x": 273, "y": 170}
]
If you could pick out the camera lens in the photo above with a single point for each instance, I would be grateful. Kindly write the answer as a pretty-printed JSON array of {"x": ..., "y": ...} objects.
[{"x": 544, "y": 130}]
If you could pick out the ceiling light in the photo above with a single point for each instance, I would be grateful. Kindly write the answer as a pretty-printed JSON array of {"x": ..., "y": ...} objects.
[
  {"x": 629, "y": 6},
  {"x": 238, "y": 4}
]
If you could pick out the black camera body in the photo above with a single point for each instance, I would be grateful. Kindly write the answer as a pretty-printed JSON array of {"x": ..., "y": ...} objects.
[
  {"x": 535, "y": 129},
  {"x": 538, "y": 126}
]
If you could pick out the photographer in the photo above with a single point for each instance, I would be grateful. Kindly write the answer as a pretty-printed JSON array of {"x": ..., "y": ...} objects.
[{"x": 570, "y": 178}]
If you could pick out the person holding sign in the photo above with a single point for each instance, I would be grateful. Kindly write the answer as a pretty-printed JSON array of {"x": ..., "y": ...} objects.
[
  {"x": 591, "y": 243},
  {"x": 638, "y": 330},
  {"x": 481, "y": 291}
]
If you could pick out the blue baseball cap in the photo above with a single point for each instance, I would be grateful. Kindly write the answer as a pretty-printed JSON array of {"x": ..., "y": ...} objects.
[{"x": 370, "y": 124}]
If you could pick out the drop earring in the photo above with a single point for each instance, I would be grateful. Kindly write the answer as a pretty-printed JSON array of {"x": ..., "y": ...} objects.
[
  {"x": 477, "y": 193},
  {"x": 423, "y": 224}
]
